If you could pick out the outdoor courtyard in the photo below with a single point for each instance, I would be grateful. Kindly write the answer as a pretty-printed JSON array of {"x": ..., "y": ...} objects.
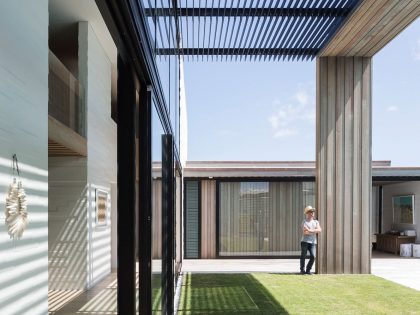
[{"x": 268, "y": 286}]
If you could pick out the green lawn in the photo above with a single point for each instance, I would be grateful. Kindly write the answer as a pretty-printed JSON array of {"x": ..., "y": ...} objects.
[{"x": 264, "y": 293}]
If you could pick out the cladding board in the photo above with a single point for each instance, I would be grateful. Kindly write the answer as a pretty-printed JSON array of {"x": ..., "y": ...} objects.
[
  {"x": 208, "y": 219},
  {"x": 371, "y": 26},
  {"x": 24, "y": 132},
  {"x": 344, "y": 164},
  {"x": 101, "y": 135}
]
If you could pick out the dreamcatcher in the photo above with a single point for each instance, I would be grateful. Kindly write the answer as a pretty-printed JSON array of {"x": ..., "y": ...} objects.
[{"x": 16, "y": 205}]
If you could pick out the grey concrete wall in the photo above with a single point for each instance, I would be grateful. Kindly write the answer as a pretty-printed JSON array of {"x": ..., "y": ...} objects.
[
  {"x": 23, "y": 131},
  {"x": 407, "y": 188},
  {"x": 344, "y": 163},
  {"x": 95, "y": 74}
]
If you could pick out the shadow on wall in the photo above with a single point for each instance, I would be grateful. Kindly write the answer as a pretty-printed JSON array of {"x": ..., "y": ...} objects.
[
  {"x": 67, "y": 254},
  {"x": 23, "y": 263}
]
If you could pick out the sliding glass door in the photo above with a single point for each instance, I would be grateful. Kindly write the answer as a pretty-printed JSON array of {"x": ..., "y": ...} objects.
[{"x": 261, "y": 218}]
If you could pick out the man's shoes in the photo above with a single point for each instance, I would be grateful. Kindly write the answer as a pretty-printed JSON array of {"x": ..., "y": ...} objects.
[
  {"x": 308, "y": 273},
  {"x": 303, "y": 273}
]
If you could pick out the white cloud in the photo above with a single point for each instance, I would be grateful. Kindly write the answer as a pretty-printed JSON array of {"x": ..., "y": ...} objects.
[
  {"x": 392, "y": 109},
  {"x": 302, "y": 97},
  {"x": 288, "y": 118}
]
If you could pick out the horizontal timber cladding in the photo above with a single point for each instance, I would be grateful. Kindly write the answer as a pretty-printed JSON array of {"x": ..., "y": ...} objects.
[
  {"x": 192, "y": 219},
  {"x": 371, "y": 27},
  {"x": 157, "y": 219},
  {"x": 208, "y": 219},
  {"x": 343, "y": 159},
  {"x": 261, "y": 218}
]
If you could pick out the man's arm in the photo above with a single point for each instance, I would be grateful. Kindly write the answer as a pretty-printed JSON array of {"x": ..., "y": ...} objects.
[
  {"x": 306, "y": 230},
  {"x": 317, "y": 229}
]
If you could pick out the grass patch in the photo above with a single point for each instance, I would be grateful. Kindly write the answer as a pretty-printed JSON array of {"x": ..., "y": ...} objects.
[{"x": 264, "y": 293}]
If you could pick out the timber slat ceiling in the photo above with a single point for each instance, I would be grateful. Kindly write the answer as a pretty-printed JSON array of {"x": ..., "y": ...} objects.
[
  {"x": 372, "y": 25},
  {"x": 245, "y": 29},
  {"x": 56, "y": 149}
]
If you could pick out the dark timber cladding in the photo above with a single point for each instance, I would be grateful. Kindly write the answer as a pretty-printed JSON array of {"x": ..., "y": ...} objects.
[
  {"x": 126, "y": 190},
  {"x": 268, "y": 30}
]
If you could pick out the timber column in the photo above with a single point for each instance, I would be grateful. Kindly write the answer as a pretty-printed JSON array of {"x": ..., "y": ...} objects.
[{"x": 343, "y": 161}]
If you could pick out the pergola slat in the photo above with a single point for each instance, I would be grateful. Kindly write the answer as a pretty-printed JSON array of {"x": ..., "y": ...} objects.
[{"x": 253, "y": 30}]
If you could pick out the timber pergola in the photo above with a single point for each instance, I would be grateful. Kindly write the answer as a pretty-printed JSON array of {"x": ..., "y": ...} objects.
[{"x": 342, "y": 35}]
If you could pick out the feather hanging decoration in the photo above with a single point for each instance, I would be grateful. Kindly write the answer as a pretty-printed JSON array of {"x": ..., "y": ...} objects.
[{"x": 16, "y": 209}]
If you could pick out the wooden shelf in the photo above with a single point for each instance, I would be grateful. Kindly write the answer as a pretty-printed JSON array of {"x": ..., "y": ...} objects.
[{"x": 391, "y": 243}]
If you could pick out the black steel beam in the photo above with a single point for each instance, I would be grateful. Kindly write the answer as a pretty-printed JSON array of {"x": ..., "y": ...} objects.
[
  {"x": 167, "y": 224},
  {"x": 229, "y": 51},
  {"x": 128, "y": 26},
  {"x": 126, "y": 181},
  {"x": 339, "y": 12},
  {"x": 145, "y": 201}
]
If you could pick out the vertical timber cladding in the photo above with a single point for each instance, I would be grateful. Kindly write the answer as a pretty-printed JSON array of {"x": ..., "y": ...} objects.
[
  {"x": 192, "y": 219},
  {"x": 208, "y": 219},
  {"x": 343, "y": 159}
]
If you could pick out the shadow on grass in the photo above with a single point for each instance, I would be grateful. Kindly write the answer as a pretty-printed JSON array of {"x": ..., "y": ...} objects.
[
  {"x": 156, "y": 293},
  {"x": 226, "y": 293}
]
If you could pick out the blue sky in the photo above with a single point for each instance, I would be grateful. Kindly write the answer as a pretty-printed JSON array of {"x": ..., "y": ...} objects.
[{"x": 266, "y": 110}]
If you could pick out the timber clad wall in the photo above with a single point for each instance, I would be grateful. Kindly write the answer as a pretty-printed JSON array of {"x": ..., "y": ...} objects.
[
  {"x": 101, "y": 132},
  {"x": 24, "y": 132},
  {"x": 208, "y": 219},
  {"x": 343, "y": 154},
  {"x": 67, "y": 221}
]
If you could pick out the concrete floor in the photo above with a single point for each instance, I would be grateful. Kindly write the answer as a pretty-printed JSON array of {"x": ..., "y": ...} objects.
[
  {"x": 102, "y": 299},
  {"x": 405, "y": 271}
]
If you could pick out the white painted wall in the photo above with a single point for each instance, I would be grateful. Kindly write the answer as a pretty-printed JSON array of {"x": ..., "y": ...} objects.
[
  {"x": 407, "y": 188},
  {"x": 23, "y": 130},
  {"x": 67, "y": 222},
  {"x": 95, "y": 75}
]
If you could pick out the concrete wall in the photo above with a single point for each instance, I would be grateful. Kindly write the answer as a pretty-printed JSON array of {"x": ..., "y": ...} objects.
[
  {"x": 407, "y": 188},
  {"x": 95, "y": 75},
  {"x": 23, "y": 130},
  {"x": 67, "y": 221}
]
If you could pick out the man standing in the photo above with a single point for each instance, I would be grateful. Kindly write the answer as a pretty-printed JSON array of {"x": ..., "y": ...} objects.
[{"x": 310, "y": 228}]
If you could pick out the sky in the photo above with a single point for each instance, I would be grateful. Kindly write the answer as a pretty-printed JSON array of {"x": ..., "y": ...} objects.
[{"x": 265, "y": 111}]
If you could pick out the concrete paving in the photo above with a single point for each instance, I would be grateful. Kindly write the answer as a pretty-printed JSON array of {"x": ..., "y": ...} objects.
[
  {"x": 241, "y": 265},
  {"x": 404, "y": 271}
]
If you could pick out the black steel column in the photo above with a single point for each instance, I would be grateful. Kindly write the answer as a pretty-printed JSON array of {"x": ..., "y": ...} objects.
[
  {"x": 145, "y": 202},
  {"x": 126, "y": 190},
  {"x": 167, "y": 224}
]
